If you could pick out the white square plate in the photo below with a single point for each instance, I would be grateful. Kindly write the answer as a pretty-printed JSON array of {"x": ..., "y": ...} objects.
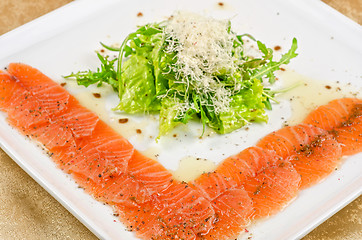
[{"x": 64, "y": 41}]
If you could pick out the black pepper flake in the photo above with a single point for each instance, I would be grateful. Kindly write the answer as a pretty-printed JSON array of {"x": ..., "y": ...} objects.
[{"x": 257, "y": 191}]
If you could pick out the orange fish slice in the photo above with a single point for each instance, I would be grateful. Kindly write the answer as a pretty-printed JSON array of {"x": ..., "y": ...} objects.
[
  {"x": 317, "y": 160},
  {"x": 231, "y": 204},
  {"x": 333, "y": 114},
  {"x": 342, "y": 118},
  {"x": 120, "y": 190},
  {"x": 80, "y": 120},
  {"x": 313, "y": 152},
  {"x": 350, "y": 136},
  {"x": 232, "y": 210},
  {"x": 258, "y": 170},
  {"x": 101, "y": 156},
  {"x": 26, "y": 113},
  {"x": 212, "y": 185},
  {"x": 149, "y": 172},
  {"x": 114, "y": 187},
  {"x": 179, "y": 212},
  {"x": 262, "y": 172},
  {"x": 8, "y": 88},
  {"x": 288, "y": 140},
  {"x": 50, "y": 94},
  {"x": 247, "y": 164},
  {"x": 273, "y": 188},
  {"x": 51, "y": 98}
]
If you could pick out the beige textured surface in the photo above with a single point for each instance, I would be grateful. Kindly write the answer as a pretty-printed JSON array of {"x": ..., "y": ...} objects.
[
  {"x": 28, "y": 212},
  {"x": 350, "y": 8}
]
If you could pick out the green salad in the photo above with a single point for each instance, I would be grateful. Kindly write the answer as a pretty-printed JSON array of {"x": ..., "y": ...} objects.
[{"x": 191, "y": 67}]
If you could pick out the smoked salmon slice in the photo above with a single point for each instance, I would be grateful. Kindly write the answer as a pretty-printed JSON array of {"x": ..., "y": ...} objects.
[
  {"x": 187, "y": 207},
  {"x": 248, "y": 163},
  {"x": 52, "y": 99},
  {"x": 313, "y": 151},
  {"x": 350, "y": 136},
  {"x": 333, "y": 114},
  {"x": 101, "y": 156},
  {"x": 179, "y": 212},
  {"x": 80, "y": 120},
  {"x": 27, "y": 114},
  {"x": 317, "y": 160},
  {"x": 213, "y": 184},
  {"x": 8, "y": 88},
  {"x": 288, "y": 140},
  {"x": 50, "y": 94},
  {"x": 233, "y": 210},
  {"x": 342, "y": 118},
  {"x": 154, "y": 177},
  {"x": 126, "y": 189},
  {"x": 23, "y": 109},
  {"x": 258, "y": 171},
  {"x": 273, "y": 188}
]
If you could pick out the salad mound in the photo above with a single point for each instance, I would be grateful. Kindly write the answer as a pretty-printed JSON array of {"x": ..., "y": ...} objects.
[{"x": 190, "y": 67}]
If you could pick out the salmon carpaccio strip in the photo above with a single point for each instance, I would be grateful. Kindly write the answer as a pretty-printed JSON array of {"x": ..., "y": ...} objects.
[
  {"x": 101, "y": 161},
  {"x": 270, "y": 181},
  {"x": 263, "y": 180},
  {"x": 233, "y": 211},
  {"x": 349, "y": 136},
  {"x": 343, "y": 119},
  {"x": 50, "y": 94},
  {"x": 333, "y": 114},
  {"x": 257, "y": 182},
  {"x": 313, "y": 152}
]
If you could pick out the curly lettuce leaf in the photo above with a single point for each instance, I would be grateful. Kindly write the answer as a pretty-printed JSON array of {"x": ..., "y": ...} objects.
[
  {"x": 168, "y": 113},
  {"x": 138, "y": 92},
  {"x": 246, "y": 106}
]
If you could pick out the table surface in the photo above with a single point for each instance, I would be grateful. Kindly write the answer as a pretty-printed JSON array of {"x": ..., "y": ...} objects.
[{"x": 31, "y": 213}]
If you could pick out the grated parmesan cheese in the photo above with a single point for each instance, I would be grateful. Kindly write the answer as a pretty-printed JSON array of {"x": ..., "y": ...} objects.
[{"x": 204, "y": 48}]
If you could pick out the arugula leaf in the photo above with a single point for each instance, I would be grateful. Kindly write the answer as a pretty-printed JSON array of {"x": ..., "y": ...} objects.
[
  {"x": 268, "y": 52},
  {"x": 269, "y": 69},
  {"x": 104, "y": 74}
]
